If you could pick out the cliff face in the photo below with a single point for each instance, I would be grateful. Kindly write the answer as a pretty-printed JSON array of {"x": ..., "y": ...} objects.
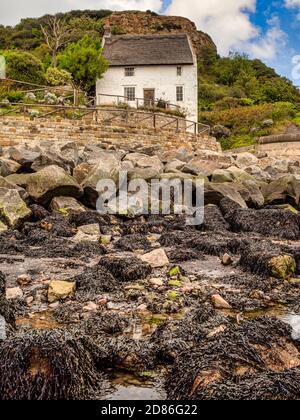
[{"x": 150, "y": 23}]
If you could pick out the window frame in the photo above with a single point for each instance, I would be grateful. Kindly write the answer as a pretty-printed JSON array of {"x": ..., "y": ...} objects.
[
  {"x": 129, "y": 71},
  {"x": 180, "y": 95},
  {"x": 179, "y": 71},
  {"x": 130, "y": 97}
]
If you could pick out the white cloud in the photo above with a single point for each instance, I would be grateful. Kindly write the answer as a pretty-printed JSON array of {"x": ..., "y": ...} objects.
[
  {"x": 229, "y": 24},
  {"x": 293, "y": 4},
  {"x": 12, "y": 11}
]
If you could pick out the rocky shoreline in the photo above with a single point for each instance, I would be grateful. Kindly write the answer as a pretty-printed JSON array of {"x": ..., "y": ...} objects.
[{"x": 205, "y": 312}]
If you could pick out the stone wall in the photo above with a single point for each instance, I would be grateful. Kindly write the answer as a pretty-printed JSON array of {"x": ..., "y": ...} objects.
[{"x": 14, "y": 130}]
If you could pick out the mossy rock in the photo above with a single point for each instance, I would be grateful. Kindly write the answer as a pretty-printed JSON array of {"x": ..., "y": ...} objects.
[{"x": 283, "y": 266}]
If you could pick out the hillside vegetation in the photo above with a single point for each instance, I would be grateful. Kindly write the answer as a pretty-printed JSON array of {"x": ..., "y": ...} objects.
[{"x": 240, "y": 98}]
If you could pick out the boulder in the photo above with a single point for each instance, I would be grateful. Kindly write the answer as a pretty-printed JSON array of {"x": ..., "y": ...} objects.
[
  {"x": 19, "y": 179},
  {"x": 253, "y": 196},
  {"x": 61, "y": 290},
  {"x": 4, "y": 183},
  {"x": 67, "y": 204},
  {"x": 214, "y": 193},
  {"x": 143, "y": 173},
  {"x": 81, "y": 171},
  {"x": 24, "y": 156},
  {"x": 222, "y": 175},
  {"x": 174, "y": 165},
  {"x": 8, "y": 167},
  {"x": 108, "y": 167},
  {"x": 144, "y": 161},
  {"x": 51, "y": 182},
  {"x": 239, "y": 175},
  {"x": 245, "y": 159},
  {"x": 156, "y": 259},
  {"x": 199, "y": 166},
  {"x": 13, "y": 210},
  {"x": 220, "y": 132},
  {"x": 283, "y": 190}
]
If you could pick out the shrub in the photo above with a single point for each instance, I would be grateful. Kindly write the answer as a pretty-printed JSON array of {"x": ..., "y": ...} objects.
[
  {"x": 24, "y": 66},
  {"x": 58, "y": 77},
  {"x": 242, "y": 119}
]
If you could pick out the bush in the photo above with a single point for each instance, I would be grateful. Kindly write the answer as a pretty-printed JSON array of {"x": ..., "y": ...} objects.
[
  {"x": 24, "y": 66},
  {"x": 58, "y": 77},
  {"x": 242, "y": 119}
]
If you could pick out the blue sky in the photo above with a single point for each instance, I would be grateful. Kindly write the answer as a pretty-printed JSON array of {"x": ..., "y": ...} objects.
[{"x": 265, "y": 29}]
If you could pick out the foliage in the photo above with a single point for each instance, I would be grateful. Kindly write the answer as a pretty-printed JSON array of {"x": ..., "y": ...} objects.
[
  {"x": 84, "y": 61},
  {"x": 24, "y": 66},
  {"x": 58, "y": 77},
  {"x": 243, "y": 119}
]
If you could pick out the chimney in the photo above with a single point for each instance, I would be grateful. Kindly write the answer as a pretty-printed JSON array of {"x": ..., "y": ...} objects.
[{"x": 106, "y": 35}]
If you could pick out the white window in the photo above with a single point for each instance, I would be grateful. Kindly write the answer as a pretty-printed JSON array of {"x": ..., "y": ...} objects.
[
  {"x": 129, "y": 71},
  {"x": 179, "y": 71},
  {"x": 179, "y": 94},
  {"x": 129, "y": 93}
]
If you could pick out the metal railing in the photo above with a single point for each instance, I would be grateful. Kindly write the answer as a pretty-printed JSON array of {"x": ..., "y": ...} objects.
[
  {"x": 119, "y": 100},
  {"x": 157, "y": 121}
]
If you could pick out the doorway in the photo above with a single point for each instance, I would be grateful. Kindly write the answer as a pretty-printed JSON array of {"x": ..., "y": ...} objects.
[{"x": 149, "y": 98}]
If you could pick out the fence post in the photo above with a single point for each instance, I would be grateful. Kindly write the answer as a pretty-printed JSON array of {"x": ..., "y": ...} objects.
[{"x": 154, "y": 121}]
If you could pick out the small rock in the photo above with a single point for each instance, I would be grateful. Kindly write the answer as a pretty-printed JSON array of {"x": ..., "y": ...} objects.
[
  {"x": 142, "y": 308},
  {"x": 14, "y": 293},
  {"x": 156, "y": 282},
  {"x": 157, "y": 258},
  {"x": 103, "y": 301},
  {"x": 3, "y": 227},
  {"x": 219, "y": 302},
  {"x": 54, "y": 305},
  {"x": 105, "y": 239},
  {"x": 227, "y": 260},
  {"x": 61, "y": 290},
  {"x": 88, "y": 233},
  {"x": 23, "y": 280},
  {"x": 90, "y": 307},
  {"x": 29, "y": 300}
]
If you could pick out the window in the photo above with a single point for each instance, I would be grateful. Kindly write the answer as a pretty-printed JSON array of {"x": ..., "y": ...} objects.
[
  {"x": 179, "y": 93},
  {"x": 129, "y": 71},
  {"x": 179, "y": 71},
  {"x": 129, "y": 93}
]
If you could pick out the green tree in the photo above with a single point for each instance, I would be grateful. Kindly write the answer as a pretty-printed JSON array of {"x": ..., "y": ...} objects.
[
  {"x": 279, "y": 90},
  {"x": 84, "y": 61},
  {"x": 24, "y": 66},
  {"x": 58, "y": 77}
]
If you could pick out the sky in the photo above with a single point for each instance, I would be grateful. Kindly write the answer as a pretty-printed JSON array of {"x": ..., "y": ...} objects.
[{"x": 265, "y": 29}]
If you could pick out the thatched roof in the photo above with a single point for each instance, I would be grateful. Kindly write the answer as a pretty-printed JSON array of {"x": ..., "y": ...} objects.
[{"x": 141, "y": 50}]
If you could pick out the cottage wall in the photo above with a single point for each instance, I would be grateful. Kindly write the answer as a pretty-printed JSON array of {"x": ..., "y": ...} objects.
[{"x": 163, "y": 79}]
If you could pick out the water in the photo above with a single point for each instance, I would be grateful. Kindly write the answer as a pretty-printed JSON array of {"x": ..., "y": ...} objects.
[{"x": 130, "y": 387}]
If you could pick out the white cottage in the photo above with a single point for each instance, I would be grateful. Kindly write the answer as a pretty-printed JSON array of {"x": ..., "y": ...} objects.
[{"x": 146, "y": 69}]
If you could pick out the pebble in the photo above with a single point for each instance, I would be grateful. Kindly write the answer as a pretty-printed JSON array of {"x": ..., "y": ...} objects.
[
  {"x": 14, "y": 293},
  {"x": 23, "y": 280}
]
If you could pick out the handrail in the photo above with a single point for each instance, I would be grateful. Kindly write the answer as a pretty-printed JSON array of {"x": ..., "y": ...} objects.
[
  {"x": 137, "y": 101},
  {"x": 198, "y": 128}
]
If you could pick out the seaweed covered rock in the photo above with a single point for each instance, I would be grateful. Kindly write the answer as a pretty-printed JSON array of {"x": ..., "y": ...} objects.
[
  {"x": 256, "y": 360},
  {"x": 94, "y": 281},
  {"x": 268, "y": 222},
  {"x": 133, "y": 243},
  {"x": 125, "y": 269},
  {"x": 46, "y": 365},
  {"x": 6, "y": 309},
  {"x": 268, "y": 259}
]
